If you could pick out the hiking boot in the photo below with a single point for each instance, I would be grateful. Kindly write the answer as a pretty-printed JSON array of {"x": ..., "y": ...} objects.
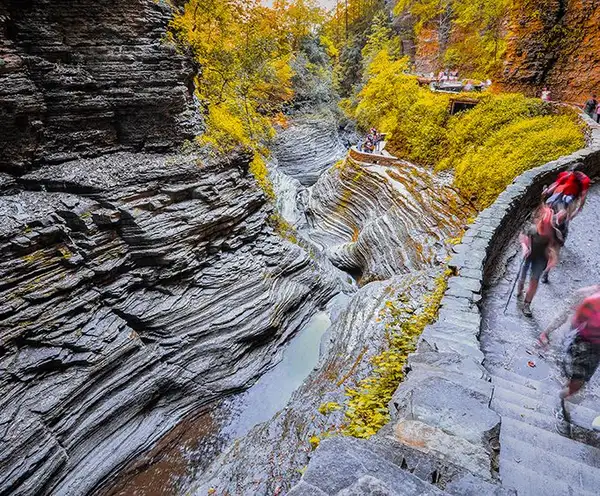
[
  {"x": 527, "y": 309},
  {"x": 545, "y": 278}
]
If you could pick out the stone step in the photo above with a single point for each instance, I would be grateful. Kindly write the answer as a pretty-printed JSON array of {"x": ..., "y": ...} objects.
[
  {"x": 551, "y": 442},
  {"x": 517, "y": 388},
  {"x": 347, "y": 466},
  {"x": 542, "y": 404},
  {"x": 540, "y": 420},
  {"x": 530, "y": 483},
  {"x": 527, "y": 382},
  {"x": 578, "y": 475}
]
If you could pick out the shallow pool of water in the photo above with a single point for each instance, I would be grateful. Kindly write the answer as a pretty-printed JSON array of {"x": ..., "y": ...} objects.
[{"x": 273, "y": 390}]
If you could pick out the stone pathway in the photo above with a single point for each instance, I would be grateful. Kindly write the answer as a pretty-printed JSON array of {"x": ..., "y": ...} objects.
[{"x": 542, "y": 455}]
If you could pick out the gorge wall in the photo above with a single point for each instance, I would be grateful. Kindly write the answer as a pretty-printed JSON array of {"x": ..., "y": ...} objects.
[
  {"x": 86, "y": 78},
  {"x": 136, "y": 285},
  {"x": 554, "y": 43}
]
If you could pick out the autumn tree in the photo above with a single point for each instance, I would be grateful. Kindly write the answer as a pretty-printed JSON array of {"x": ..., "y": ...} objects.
[
  {"x": 245, "y": 51},
  {"x": 471, "y": 33}
]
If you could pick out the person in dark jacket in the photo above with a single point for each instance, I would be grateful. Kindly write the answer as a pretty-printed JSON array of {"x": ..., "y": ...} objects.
[{"x": 590, "y": 107}]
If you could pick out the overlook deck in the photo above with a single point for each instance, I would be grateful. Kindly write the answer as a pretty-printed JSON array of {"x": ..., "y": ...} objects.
[{"x": 379, "y": 158}]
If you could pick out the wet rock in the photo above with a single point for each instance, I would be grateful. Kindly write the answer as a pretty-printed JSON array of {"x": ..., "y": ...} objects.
[
  {"x": 309, "y": 146},
  {"x": 128, "y": 302},
  {"x": 359, "y": 333},
  {"x": 378, "y": 221}
]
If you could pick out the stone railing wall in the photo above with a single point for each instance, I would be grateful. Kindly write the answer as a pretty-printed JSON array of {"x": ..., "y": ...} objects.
[{"x": 372, "y": 158}]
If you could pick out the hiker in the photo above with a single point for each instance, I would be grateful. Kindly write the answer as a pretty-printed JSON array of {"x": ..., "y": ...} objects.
[
  {"x": 570, "y": 189},
  {"x": 546, "y": 95},
  {"x": 591, "y": 106},
  {"x": 598, "y": 113},
  {"x": 375, "y": 138},
  {"x": 560, "y": 224},
  {"x": 539, "y": 245},
  {"x": 369, "y": 145},
  {"x": 583, "y": 354}
]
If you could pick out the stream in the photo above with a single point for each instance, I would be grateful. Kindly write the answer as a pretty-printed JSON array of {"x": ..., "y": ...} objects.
[{"x": 182, "y": 455}]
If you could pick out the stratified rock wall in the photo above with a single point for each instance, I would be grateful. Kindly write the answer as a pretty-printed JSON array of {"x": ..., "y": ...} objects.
[
  {"x": 89, "y": 77},
  {"x": 134, "y": 288},
  {"x": 308, "y": 147},
  {"x": 554, "y": 43},
  {"x": 136, "y": 285},
  {"x": 378, "y": 221}
]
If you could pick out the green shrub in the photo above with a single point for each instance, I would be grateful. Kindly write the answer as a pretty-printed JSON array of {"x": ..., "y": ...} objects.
[
  {"x": 467, "y": 131},
  {"x": 488, "y": 146}
]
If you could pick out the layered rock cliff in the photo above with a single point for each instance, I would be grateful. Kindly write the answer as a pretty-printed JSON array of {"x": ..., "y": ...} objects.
[
  {"x": 390, "y": 224},
  {"x": 135, "y": 288},
  {"x": 554, "y": 43},
  {"x": 377, "y": 221},
  {"x": 136, "y": 285},
  {"x": 86, "y": 78}
]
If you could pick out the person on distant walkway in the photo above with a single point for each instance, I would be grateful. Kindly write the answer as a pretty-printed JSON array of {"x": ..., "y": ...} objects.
[
  {"x": 546, "y": 97},
  {"x": 540, "y": 253},
  {"x": 597, "y": 116},
  {"x": 571, "y": 189},
  {"x": 375, "y": 138},
  {"x": 583, "y": 354},
  {"x": 590, "y": 107}
]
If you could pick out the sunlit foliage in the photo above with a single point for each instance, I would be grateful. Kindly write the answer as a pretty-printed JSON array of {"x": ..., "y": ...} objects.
[
  {"x": 245, "y": 51},
  {"x": 471, "y": 33},
  {"x": 367, "y": 406},
  {"x": 487, "y": 146}
]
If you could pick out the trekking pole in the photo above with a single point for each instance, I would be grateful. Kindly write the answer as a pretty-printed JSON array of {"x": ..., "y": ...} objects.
[{"x": 515, "y": 284}]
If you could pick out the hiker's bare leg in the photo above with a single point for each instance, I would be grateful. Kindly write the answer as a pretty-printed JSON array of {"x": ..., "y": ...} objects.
[
  {"x": 532, "y": 290},
  {"x": 573, "y": 387}
]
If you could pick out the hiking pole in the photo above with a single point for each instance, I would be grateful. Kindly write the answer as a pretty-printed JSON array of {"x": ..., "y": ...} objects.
[{"x": 515, "y": 284}]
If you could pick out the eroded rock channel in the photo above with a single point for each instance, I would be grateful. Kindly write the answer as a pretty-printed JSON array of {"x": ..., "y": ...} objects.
[{"x": 144, "y": 290}]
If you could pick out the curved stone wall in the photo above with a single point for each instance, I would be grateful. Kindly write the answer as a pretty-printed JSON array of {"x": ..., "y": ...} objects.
[{"x": 443, "y": 430}]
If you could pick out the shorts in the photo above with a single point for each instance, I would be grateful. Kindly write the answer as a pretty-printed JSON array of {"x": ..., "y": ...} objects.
[
  {"x": 583, "y": 358},
  {"x": 537, "y": 265}
]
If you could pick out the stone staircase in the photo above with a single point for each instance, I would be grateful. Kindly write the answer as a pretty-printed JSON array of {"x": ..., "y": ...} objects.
[
  {"x": 540, "y": 453},
  {"x": 346, "y": 466}
]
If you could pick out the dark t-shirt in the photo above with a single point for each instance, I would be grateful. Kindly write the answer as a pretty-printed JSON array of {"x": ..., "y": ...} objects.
[
  {"x": 539, "y": 244},
  {"x": 590, "y": 106}
]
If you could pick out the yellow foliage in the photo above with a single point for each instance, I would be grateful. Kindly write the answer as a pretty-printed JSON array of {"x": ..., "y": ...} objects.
[
  {"x": 483, "y": 173},
  {"x": 245, "y": 52},
  {"x": 503, "y": 136},
  {"x": 329, "y": 407},
  {"x": 283, "y": 227},
  {"x": 314, "y": 442},
  {"x": 258, "y": 168},
  {"x": 367, "y": 409}
]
